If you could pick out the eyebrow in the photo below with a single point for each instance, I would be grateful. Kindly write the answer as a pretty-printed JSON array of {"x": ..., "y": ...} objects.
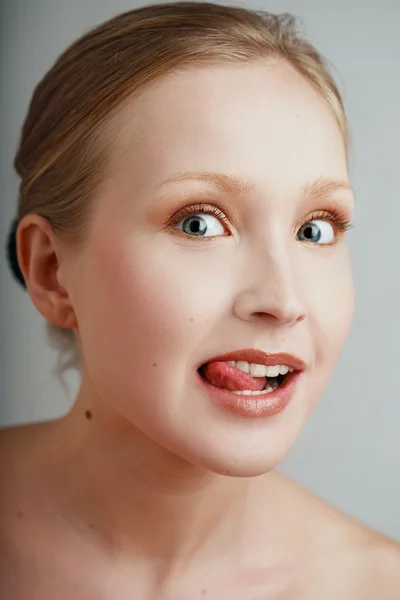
[
  {"x": 323, "y": 187},
  {"x": 231, "y": 184}
]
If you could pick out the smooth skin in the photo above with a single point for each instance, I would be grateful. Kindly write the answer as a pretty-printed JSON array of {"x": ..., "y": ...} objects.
[{"x": 145, "y": 489}]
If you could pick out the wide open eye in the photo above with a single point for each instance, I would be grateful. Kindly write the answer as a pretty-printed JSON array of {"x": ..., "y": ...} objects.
[
  {"x": 317, "y": 232},
  {"x": 201, "y": 225}
]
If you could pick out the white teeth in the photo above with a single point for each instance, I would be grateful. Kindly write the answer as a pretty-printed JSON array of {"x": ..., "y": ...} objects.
[
  {"x": 243, "y": 366},
  {"x": 273, "y": 371},
  {"x": 257, "y": 370},
  {"x": 268, "y": 390}
]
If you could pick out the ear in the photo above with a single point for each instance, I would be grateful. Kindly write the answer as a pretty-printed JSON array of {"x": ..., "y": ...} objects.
[{"x": 39, "y": 259}]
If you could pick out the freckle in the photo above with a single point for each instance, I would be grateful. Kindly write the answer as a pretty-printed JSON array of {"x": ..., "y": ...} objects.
[
  {"x": 203, "y": 592},
  {"x": 154, "y": 364},
  {"x": 20, "y": 514},
  {"x": 91, "y": 526},
  {"x": 191, "y": 318},
  {"x": 88, "y": 414}
]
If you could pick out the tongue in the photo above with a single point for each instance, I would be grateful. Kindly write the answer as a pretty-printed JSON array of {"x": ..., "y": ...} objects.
[{"x": 224, "y": 375}]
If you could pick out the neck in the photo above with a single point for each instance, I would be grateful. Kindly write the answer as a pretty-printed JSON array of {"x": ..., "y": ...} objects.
[{"x": 141, "y": 500}]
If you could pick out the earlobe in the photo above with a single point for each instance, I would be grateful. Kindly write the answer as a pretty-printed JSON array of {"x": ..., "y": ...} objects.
[
  {"x": 69, "y": 321},
  {"x": 39, "y": 261}
]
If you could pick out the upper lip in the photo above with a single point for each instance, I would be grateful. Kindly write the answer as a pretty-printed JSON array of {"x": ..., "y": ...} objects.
[{"x": 252, "y": 355}]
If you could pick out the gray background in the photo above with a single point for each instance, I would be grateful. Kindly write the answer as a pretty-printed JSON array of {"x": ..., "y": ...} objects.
[{"x": 349, "y": 451}]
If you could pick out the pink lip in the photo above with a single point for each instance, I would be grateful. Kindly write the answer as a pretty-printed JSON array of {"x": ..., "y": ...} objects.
[
  {"x": 261, "y": 405},
  {"x": 260, "y": 357}
]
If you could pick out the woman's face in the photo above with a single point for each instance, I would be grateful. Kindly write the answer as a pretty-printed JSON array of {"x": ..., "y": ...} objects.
[{"x": 160, "y": 288}]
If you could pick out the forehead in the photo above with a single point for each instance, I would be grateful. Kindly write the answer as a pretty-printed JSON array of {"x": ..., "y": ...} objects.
[{"x": 262, "y": 121}]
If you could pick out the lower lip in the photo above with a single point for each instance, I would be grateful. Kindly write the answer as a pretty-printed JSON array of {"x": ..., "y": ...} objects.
[{"x": 263, "y": 405}]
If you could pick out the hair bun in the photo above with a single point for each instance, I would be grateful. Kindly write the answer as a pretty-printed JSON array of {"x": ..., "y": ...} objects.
[{"x": 12, "y": 256}]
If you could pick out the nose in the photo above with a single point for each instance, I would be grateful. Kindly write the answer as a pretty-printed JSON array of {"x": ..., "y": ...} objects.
[{"x": 270, "y": 289}]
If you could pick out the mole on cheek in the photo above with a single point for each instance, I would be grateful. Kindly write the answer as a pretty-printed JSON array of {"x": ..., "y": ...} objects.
[
  {"x": 20, "y": 514},
  {"x": 88, "y": 414},
  {"x": 154, "y": 364}
]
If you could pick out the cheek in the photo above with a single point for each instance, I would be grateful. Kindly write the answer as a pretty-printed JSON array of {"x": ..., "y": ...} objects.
[
  {"x": 332, "y": 306},
  {"x": 163, "y": 291},
  {"x": 330, "y": 302},
  {"x": 145, "y": 310}
]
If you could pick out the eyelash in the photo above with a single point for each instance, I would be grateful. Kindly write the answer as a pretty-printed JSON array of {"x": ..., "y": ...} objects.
[
  {"x": 337, "y": 218},
  {"x": 196, "y": 209}
]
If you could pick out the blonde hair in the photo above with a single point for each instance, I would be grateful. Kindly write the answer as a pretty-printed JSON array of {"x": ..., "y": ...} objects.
[{"x": 61, "y": 159}]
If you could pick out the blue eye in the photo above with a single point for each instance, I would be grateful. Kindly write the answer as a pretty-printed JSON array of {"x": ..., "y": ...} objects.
[
  {"x": 201, "y": 225},
  {"x": 209, "y": 221},
  {"x": 317, "y": 232}
]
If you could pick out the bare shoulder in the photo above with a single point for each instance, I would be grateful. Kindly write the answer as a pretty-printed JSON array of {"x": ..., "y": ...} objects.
[
  {"x": 344, "y": 558},
  {"x": 382, "y": 563},
  {"x": 23, "y": 452},
  {"x": 19, "y": 448},
  {"x": 370, "y": 566},
  {"x": 357, "y": 569},
  {"x": 29, "y": 530}
]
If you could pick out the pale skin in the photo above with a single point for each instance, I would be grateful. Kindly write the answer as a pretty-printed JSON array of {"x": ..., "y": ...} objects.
[{"x": 144, "y": 490}]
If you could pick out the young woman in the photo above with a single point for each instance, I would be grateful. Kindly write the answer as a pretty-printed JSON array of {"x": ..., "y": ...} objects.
[{"x": 182, "y": 220}]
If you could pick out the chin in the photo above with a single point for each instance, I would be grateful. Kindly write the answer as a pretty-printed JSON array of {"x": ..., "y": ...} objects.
[
  {"x": 241, "y": 460},
  {"x": 242, "y": 447},
  {"x": 211, "y": 439},
  {"x": 242, "y": 467}
]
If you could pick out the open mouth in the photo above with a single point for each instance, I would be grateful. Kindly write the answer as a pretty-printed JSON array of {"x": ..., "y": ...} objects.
[
  {"x": 243, "y": 378},
  {"x": 251, "y": 382}
]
